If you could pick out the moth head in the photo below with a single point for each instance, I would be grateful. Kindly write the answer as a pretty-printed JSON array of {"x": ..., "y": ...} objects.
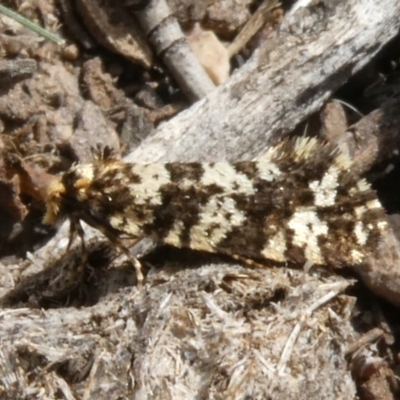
[
  {"x": 54, "y": 199},
  {"x": 66, "y": 191}
]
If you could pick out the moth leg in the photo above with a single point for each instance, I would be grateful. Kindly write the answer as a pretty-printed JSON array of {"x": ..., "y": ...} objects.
[
  {"x": 247, "y": 261},
  {"x": 76, "y": 229},
  {"x": 135, "y": 262},
  {"x": 113, "y": 238},
  {"x": 79, "y": 230},
  {"x": 132, "y": 259},
  {"x": 72, "y": 233}
]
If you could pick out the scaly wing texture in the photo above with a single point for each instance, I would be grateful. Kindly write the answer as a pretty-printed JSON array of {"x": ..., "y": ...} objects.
[{"x": 299, "y": 202}]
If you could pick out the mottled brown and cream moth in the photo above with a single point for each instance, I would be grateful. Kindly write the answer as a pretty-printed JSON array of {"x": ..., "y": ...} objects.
[{"x": 299, "y": 202}]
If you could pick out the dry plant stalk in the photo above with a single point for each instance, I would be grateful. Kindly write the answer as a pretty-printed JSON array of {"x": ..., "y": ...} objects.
[{"x": 165, "y": 34}]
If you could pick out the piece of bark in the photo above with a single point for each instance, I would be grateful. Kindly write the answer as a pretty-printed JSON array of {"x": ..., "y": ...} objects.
[
  {"x": 381, "y": 272},
  {"x": 333, "y": 123},
  {"x": 211, "y": 53},
  {"x": 252, "y": 26},
  {"x": 376, "y": 137},
  {"x": 113, "y": 28}
]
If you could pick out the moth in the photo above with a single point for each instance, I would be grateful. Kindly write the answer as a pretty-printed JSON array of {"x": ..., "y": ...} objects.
[{"x": 299, "y": 202}]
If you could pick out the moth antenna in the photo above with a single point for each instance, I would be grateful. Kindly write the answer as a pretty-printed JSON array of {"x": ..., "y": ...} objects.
[{"x": 103, "y": 154}]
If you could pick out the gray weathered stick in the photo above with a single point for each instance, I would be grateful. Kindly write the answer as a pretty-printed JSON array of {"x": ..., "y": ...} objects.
[{"x": 164, "y": 32}]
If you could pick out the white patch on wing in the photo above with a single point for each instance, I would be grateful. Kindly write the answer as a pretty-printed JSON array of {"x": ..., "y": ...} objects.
[
  {"x": 225, "y": 176},
  {"x": 369, "y": 205},
  {"x": 275, "y": 248},
  {"x": 186, "y": 183},
  {"x": 217, "y": 218},
  {"x": 126, "y": 224},
  {"x": 268, "y": 170},
  {"x": 122, "y": 179},
  {"x": 359, "y": 211},
  {"x": 373, "y": 204},
  {"x": 363, "y": 185},
  {"x": 153, "y": 177},
  {"x": 174, "y": 235},
  {"x": 382, "y": 225},
  {"x": 325, "y": 189},
  {"x": 361, "y": 234},
  {"x": 307, "y": 227}
]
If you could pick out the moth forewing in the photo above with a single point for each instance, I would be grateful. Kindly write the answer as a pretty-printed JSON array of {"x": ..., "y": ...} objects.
[{"x": 299, "y": 202}]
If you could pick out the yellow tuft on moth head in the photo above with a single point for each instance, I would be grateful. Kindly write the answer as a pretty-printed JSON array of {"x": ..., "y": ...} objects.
[{"x": 54, "y": 196}]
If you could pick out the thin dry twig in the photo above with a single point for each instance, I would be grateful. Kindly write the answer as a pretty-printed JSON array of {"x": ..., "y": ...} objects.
[{"x": 163, "y": 31}]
